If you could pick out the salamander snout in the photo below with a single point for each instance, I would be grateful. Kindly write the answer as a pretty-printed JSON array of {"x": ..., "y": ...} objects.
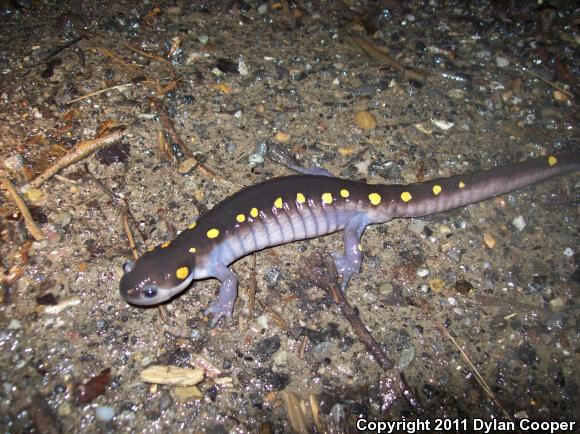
[{"x": 146, "y": 283}]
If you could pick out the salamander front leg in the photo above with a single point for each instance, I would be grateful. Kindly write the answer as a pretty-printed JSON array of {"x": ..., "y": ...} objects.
[
  {"x": 224, "y": 305},
  {"x": 350, "y": 263}
]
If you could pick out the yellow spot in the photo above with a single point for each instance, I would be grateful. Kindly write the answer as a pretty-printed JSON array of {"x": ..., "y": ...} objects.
[
  {"x": 278, "y": 203},
  {"x": 241, "y": 218},
  {"x": 191, "y": 226},
  {"x": 300, "y": 198},
  {"x": 375, "y": 198},
  {"x": 360, "y": 247},
  {"x": 254, "y": 212},
  {"x": 213, "y": 233},
  {"x": 192, "y": 250},
  {"x": 182, "y": 272},
  {"x": 461, "y": 184},
  {"x": 165, "y": 244},
  {"x": 406, "y": 196},
  {"x": 436, "y": 189},
  {"x": 552, "y": 160},
  {"x": 327, "y": 198},
  {"x": 344, "y": 193}
]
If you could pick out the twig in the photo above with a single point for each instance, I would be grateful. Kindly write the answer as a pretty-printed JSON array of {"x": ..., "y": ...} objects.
[
  {"x": 119, "y": 60},
  {"x": 168, "y": 127},
  {"x": 275, "y": 316},
  {"x": 130, "y": 235},
  {"x": 28, "y": 220},
  {"x": 89, "y": 95},
  {"x": 539, "y": 76},
  {"x": 80, "y": 151},
  {"x": 65, "y": 179},
  {"x": 322, "y": 273},
  {"x": 381, "y": 55},
  {"x": 151, "y": 56},
  {"x": 478, "y": 376}
]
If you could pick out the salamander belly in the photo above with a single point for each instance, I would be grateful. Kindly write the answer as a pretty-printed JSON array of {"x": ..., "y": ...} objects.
[{"x": 282, "y": 226}]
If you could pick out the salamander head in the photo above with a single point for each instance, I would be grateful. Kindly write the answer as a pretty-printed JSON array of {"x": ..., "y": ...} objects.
[{"x": 155, "y": 277}]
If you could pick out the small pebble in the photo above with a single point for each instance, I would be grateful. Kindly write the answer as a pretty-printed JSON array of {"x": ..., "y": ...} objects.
[
  {"x": 280, "y": 357},
  {"x": 417, "y": 226},
  {"x": 365, "y": 120},
  {"x": 555, "y": 323},
  {"x": 501, "y": 62},
  {"x": 65, "y": 409},
  {"x": 243, "y": 66},
  {"x": 454, "y": 254},
  {"x": 407, "y": 356},
  {"x": 255, "y": 159},
  {"x": 444, "y": 229},
  {"x": 519, "y": 223},
  {"x": 231, "y": 147},
  {"x": 262, "y": 148},
  {"x": 14, "y": 324},
  {"x": 456, "y": 94},
  {"x": 262, "y": 322},
  {"x": 463, "y": 287},
  {"x": 53, "y": 238},
  {"x": 557, "y": 303},
  {"x": 489, "y": 240},
  {"x": 369, "y": 297},
  {"x": 14, "y": 162},
  {"x": 568, "y": 252},
  {"x": 63, "y": 219},
  {"x": 386, "y": 288},
  {"x": 560, "y": 96},
  {"x": 423, "y": 272},
  {"x": 105, "y": 413}
]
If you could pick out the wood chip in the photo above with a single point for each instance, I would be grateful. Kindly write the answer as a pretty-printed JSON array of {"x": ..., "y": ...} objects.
[
  {"x": 172, "y": 375},
  {"x": 282, "y": 137},
  {"x": 183, "y": 394},
  {"x": 187, "y": 166},
  {"x": 436, "y": 285},
  {"x": 31, "y": 226},
  {"x": 62, "y": 305}
]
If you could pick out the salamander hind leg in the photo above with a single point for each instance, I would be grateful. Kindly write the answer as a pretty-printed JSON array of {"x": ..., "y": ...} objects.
[
  {"x": 350, "y": 263},
  {"x": 224, "y": 305}
]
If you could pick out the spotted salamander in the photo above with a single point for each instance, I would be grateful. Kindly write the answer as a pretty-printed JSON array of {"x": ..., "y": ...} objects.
[{"x": 304, "y": 206}]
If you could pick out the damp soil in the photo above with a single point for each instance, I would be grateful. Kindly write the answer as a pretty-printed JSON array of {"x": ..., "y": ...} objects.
[{"x": 477, "y": 307}]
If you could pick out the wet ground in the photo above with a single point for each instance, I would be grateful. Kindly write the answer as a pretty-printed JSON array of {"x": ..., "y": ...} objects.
[{"x": 396, "y": 93}]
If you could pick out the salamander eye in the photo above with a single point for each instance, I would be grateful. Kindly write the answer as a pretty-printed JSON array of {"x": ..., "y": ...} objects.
[
  {"x": 128, "y": 266},
  {"x": 150, "y": 291}
]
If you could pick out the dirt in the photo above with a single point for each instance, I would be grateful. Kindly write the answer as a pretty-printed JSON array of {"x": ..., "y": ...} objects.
[{"x": 476, "y": 306}]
